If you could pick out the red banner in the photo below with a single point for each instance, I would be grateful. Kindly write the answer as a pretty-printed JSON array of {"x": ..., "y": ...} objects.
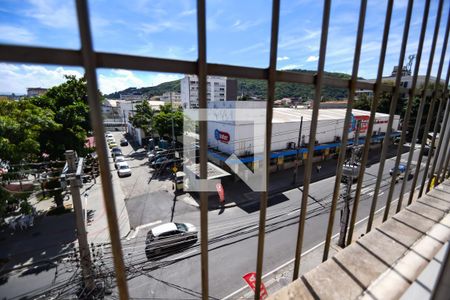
[
  {"x": 364, "y": 123},
  {"x": 221, "y": 192},
  {"x": 250, "y": 278}
]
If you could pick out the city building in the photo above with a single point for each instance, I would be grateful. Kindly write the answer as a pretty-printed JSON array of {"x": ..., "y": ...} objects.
[
  {"x": 407, "y": 79},
  {"x": 283, "y": 102},
  {"x": 109, "y": 107},
  {"x": 38, "y": 91},
  {"x": 328, "y": 104},
  {"x": 237, "y": 137},
  {"x": 218, "y": 89},
  {"x": 171, "y": 97},
  {"x": 132, "y": 96},
  {"x": 126, "y": 109}
]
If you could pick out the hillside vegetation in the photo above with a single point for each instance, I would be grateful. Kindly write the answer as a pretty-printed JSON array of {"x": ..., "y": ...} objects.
[{"x": 251, "y": 88}]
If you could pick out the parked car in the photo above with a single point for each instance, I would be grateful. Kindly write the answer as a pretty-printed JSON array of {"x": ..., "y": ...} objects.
[
  {"x": 108, "y": 135},
  {"x": 123, "y": 142},
  {"x": 110, "y": 140},
  {"x": 156, "y": 153},
  {"x": 118, "y": 159},
  {"x": 168, "y": 238},
  {"x": 112, "y": 145},
  {"x": 123, "y": 169},
  {"x": 161, "y": 161},
  {"x": 116, "y": 152}
]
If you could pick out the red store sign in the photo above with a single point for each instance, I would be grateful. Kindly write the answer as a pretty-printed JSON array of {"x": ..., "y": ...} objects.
[{"x": 222, "y": 136}]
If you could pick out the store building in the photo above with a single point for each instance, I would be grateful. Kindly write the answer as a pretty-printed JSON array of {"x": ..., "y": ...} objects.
[{"x": 238, "y": 137}]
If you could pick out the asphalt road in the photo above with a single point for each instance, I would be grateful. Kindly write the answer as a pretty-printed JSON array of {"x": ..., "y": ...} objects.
[{"x": 233, "y": 241}]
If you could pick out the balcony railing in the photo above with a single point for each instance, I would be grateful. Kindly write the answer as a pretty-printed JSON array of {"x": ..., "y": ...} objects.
[{"x": 437, "y": 96}]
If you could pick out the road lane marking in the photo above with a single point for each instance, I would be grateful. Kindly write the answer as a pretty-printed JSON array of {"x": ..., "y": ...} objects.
[
  {"x": 136, "y": 231},
  {"x": 230, "y": 296},
  {"x": 185, "y": 254},
  {"x": 293, "y": 212}
]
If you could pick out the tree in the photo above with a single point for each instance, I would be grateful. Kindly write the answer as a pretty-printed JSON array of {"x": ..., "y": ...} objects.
[
  {"x": 143, "y": 117},
  {"x": 69, "y": 103},
  {"x": 21, "y": 125},
  {"x": 162, "y": 123},
  {"x": 363, "y": 102}
]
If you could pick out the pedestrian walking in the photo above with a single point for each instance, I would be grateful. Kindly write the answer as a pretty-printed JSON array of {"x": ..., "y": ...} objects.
[{"x": 318, "y": 167}]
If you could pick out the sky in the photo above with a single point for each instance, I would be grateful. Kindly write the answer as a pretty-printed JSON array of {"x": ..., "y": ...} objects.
[{"x": 238, "y": 33}]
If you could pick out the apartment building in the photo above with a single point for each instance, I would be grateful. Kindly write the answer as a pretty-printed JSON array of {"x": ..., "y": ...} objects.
[
  {"x": 33, "y": 92},
  {"x": 169, "y": 97},
  {"x": 218, "y": 89}
]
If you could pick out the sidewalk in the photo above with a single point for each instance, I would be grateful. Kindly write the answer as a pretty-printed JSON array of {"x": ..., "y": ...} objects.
[
  {"x": 381, "y": 264},
  {"x": 97, "y": 225},
  {"x": 237, "y": 193}
]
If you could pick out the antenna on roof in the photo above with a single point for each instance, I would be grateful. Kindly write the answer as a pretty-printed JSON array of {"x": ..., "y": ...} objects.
[{"x": 409, "y": 64}]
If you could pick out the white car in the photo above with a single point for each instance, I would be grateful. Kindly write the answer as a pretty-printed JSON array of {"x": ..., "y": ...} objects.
[
  {"x": 109, "y": 135},
  {"x": 123, "y": 169},
  {"x": 169, "y": 238},
  {"x": 118, "y": 159}
]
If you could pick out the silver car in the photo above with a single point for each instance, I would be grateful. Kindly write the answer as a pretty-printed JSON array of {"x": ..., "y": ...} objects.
[
  {"x": 168, "y": 238},
  {"x": 117, "y": 160},
  {"x": 123, "y": 169}
]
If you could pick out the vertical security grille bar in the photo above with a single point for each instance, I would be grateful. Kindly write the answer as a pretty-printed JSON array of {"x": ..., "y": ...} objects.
[
  {"x": 343, "y": 147},
  {"x": 447, "y": 162},
  {"x": 437, "y": 90},
  {"x": 423, "y": 100},
  {"x": 393, "y": 106},
  {"x": 362, "y": 166},
  {"x": 442, "y": 163},
  {"x": 412, "y": 94},
  {"x": 89, "y": 64},
  {"x": 269, "y": 113},
  {"x": 202, "y": 89},
  {"x": 312, "y": 135},
  {"x": 441, "y": 134}
]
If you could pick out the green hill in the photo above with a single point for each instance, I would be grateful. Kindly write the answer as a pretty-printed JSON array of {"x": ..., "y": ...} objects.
[
  {"x": 251, "y": 87},
  {"x": 170, "y": 86}
]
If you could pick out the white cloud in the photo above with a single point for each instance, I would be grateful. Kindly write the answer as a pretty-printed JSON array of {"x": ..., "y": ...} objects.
[
  {"x": 188, "y": 12},
  {"x": 249, "y": 48},
  {"x": 53, "y": 13},
  {"x": 16, "y": 78},
  {"x": 161, "y": 26},
  {"x": 118, "y": 80},
  {"x": 15, "y": 34},
  {"x": 238, "y": 25},
  {"x": 293, "y": 42},
  {"x": 161, "y": 78},
  {"x": 291, "y": 66},
  {"x": 282, "y": 58},
  {"x": 312, "y": 58}
]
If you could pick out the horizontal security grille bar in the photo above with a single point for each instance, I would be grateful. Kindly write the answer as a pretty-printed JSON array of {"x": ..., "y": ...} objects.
[{"x": 68, "y": 57}]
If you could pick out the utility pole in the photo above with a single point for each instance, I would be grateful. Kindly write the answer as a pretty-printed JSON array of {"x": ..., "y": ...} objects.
[
  {"x": 74, "y": 174},
  {"x": 298, "y": 148},
  {"x": 345, "y": 212},
  {"x": 173, "y": 127}
]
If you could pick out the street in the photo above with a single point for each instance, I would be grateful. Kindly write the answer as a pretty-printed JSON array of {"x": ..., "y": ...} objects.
[{"x": 232, "y": 233}]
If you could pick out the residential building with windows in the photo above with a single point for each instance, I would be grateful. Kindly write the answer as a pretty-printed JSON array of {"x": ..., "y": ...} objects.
[
  {"x": 216, "y": 90},
  {"x": 33, "y": 92},
  {"x": 171, "y": 97}
]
